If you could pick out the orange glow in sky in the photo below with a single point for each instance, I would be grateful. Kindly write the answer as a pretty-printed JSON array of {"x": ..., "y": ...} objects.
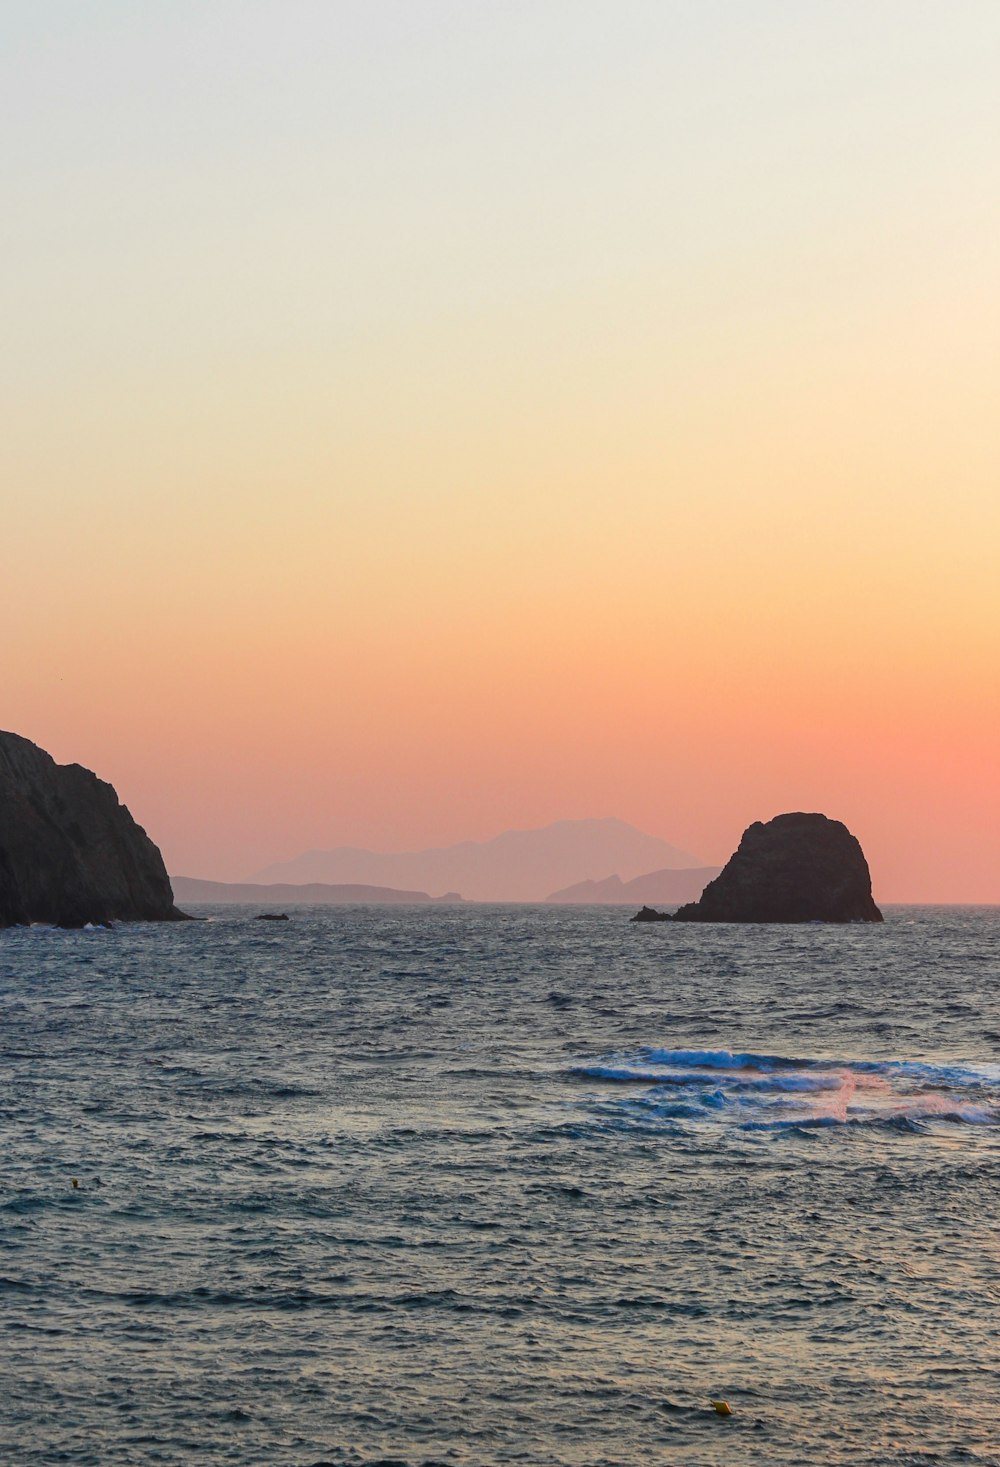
[{"x": 426, "y": 419}]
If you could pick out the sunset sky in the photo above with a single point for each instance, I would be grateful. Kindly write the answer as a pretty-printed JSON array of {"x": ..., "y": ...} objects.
[{"x": 427, "y": 417}]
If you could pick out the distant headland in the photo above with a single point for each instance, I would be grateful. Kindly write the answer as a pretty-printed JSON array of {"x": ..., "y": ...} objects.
[
  {"x": 667, "y": 887},
  {"x": 315, "y": 894}
]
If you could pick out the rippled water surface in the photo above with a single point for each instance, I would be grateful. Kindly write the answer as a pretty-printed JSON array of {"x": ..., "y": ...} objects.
[{"x": 501, "y": 1185}]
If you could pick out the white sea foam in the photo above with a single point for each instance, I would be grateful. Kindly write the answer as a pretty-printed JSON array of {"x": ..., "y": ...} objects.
[{"x": 761, "y": 1092}]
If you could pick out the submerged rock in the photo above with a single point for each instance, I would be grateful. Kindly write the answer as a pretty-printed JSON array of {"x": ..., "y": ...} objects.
[
  {"x": 794, "y": 868},
  {"x": 70, "y": 852}
]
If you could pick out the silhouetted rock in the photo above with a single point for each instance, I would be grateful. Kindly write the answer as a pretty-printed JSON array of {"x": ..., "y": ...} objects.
[
  {"x": 70, "y": 853},
  {"x": 647, "y": 914},
  {"x": 272, "y": 916},
  {"x": 794, "y": 868}
]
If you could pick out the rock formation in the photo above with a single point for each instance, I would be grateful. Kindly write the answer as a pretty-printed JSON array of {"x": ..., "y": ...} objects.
[
  {"x": 649, "y": 914},
  {"x": 794, "y": 868},
  {"x": 70, "y": 853}
]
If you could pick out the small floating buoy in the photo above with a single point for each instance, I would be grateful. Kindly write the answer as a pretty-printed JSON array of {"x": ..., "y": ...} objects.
[
  {"x": 722, "y": 1408},
  {"x": 75, "y": 1181}
]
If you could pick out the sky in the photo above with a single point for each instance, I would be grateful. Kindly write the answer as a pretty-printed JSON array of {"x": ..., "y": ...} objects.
[{"x": 425, "y": 418}]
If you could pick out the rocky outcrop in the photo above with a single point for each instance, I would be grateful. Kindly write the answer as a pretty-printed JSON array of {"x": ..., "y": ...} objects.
[
  {"x": 794, "y": 868},
  {"x": 649, "y": 914},
  {"x": 70, "y": 853}
]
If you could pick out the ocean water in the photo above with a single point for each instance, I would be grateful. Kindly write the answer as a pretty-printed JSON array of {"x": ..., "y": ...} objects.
[{"x": 501, "y": 1185}]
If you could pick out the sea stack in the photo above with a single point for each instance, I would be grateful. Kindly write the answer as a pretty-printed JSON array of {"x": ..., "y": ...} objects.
[
  {"x": 794, "y": 868},
  {"x": 70, "y": 852}
]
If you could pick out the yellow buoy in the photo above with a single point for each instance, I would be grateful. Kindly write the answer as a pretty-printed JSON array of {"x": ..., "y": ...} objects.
[{"x": 723, "y": 1408}]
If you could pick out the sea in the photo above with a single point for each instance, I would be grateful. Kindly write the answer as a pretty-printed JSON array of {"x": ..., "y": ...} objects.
[{"x": 394, "y": 1187}]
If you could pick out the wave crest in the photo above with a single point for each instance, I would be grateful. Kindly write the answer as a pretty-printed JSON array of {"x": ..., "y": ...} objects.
[{"x": 767, "y": 1092}]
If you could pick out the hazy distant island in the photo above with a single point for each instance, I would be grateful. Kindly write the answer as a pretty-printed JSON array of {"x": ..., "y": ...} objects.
[
  {"x": 517, "y": 866},
  {"x": 795, "y": 868},
  {"x": 70, "y": 852}
]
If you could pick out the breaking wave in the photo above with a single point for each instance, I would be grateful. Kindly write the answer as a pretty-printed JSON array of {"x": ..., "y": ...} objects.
[{"x": 767, "y": 1092}]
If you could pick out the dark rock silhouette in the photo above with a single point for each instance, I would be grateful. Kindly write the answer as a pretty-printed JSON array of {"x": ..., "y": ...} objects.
[
  {"x": 70, "y": 853},
  {"x": 794, "y": 868},
  {"x": 647, "y": 914},
  {"x": 272, "y": 917}
]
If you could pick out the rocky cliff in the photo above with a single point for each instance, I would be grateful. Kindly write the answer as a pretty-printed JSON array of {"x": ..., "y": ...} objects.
[
  {"x": 70, "y": 853},
  {"x": 794, "y": 868}
]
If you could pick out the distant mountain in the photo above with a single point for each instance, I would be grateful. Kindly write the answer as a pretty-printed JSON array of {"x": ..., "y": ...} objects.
[
  {"x": 190, "y": 889},
  {"x": 517, "y": 866},
  {"x": 665, "y": 888}
]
